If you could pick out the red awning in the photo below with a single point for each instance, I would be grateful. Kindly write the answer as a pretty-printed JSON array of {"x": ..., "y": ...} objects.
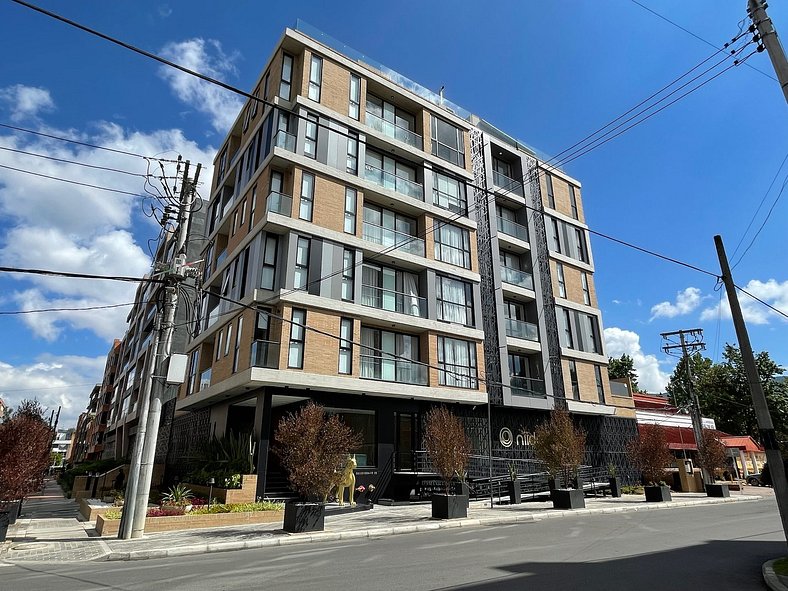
[{"x": 745, "y": 443}]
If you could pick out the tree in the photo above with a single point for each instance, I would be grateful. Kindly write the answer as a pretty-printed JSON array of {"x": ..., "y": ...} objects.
[
  {"x": 724, "y": 394},
  {"x": 313, "y": 448},
  {"x": 711, "y": 453},
  {"x": 447, "y": 444},
  {"x": 560, "y": 445},
  {"x": 623, "y": 367},
  {"x": 650, "y": 453},
  {"x": 25, "y": 442}
]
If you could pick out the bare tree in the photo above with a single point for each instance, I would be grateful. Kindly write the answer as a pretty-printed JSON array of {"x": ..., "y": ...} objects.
[
  {"x": 711, "y": 452},
  {"x": 25, "y": 442},
  {"x": 650, "y": 453},
  {"x": 447, "y": 444},
  {"x": 560, "y": 445}
]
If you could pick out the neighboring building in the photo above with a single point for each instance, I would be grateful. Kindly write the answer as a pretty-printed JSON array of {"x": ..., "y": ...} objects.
[
  {"x": 3, "y": 409},
  {"x": 62, "y": 445},
  {"x": 396, "y": 224}
]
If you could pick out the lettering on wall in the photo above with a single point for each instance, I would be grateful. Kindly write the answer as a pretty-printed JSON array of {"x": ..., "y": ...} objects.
[{"x": 508, "y": 439}]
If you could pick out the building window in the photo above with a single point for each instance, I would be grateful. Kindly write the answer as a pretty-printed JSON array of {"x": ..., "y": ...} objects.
[
  {"x": 391, "y": 356},
  {"x": 573, "y": 201},
  {"x": 390, "y": 289},
  {"x": 453, "y": 245},
  {"x": 295, "y": 353},
  {"x": 265, "y": 85},
  {"x": 287, "y": 76},
  {"x": 193, "y": 362},
  {"x": 348, "y": 274},
  {"x": 569, "y": 341},
  {"x": 222, "y": 164},
  {"x": 600, "y": 385},
  {"x": 346, "y": 346},
  {"x": 307, "y": 196},
  {"x": 449, "y": 193},
  {"x": 242, "y": 221},
  {"x": 550, "y": 194},
  {"x": 350, "y": 210},
  {"x": 582, "y": 252},
  {"x": 252, "y": 207},
  {"x": 315, "y": 77},
  {"x": 556, "y": 235},
  {"x": 392, "y": 121},
  {"x": 219, "y": 345},
  {"x": 573, "y": 379},
  {"x": 586, "y": 291},
  {"x": 301, "y": 275},
  {"x": 269, "y": 262},
  {"x": 352, "y": 152},
  {"x": 238, "y": 334},
  {"x": 255, "y": 101},
  {"x": 561, "y": 280},
  {"x": 310, "y": 136},
  {"x": 354, "y": 109},
  {"x": 247, "y": 116},
  {"x": 593, "y": 334},
  {"x": 455, "y": 300},
  {"x": 447, "y": 142},
  {"x": 457, "y": 363},
  {"x": 235, "y": 223},
  {"x": 228, "y": 340}
]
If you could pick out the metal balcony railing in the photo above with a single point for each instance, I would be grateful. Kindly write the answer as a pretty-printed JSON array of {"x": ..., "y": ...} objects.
[{"x": 530, "y": 387}]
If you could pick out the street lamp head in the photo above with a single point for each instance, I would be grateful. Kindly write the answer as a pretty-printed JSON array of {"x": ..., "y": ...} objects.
[{"x": 211, "y": 482}]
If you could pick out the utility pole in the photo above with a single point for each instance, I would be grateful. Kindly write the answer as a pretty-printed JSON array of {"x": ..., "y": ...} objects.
[
  {"x": 761, "y": 21},
  {"x": 690, "y": 340},
  {"x": 173, "y": 272},
  {"x": 765, "y": 425}
]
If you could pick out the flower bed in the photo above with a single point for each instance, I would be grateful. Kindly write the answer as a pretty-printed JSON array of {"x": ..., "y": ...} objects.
[{"x": 167, "y": 519}]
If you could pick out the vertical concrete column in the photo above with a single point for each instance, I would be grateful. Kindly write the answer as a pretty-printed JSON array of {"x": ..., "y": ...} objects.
[{"x": 263, "y": 445}]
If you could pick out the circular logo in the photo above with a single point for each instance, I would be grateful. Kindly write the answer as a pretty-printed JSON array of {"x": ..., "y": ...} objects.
[{"x": 505, "y": 437}]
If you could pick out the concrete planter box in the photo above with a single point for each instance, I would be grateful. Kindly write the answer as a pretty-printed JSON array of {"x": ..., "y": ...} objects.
[
  {"x": 717, "y": 490},
  {"x": 568, "y": 498},
  {"x": 110, "y": 527},
  {"x": 449, "y": 506},
  {"x": 304, "y": 517},
  {"x": 246, "y": 494},
  {"x": 658, "y": 494},
  {"x": 4, "y": 518},
  {"x": 515, "y": 495},
  {"x": 615, "y": 486},
  {"x": 90, "y": 509}
]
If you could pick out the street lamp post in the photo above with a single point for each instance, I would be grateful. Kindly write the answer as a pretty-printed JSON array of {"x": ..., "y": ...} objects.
[{"x": 210, "y": 484}]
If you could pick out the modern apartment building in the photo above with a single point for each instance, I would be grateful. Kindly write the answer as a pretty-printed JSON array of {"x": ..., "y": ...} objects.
[{"x": 373, "y": 247}]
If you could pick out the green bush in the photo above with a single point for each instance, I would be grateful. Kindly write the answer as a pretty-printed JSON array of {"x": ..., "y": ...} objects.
[
  {"x": 632, "y": 490},
  {"x": 112, "y": 514},
  {"x": 238, "y": 508}
]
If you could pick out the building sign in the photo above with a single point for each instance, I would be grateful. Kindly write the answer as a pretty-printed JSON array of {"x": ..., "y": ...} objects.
[{"x": 508, "y": 439}]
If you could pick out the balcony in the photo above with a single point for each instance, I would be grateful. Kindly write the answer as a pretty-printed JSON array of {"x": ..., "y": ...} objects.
[
  {"x": 508, "y": 185},
  {"x": 284, "y": 140},
  {"x": 393, "y": 370},
  {"x": 394, "y": 301},
  {"x": 511, "y": 228},
  {"x": 394, "y": 131},
  {"x": 279, "y": 203},
  {"x": 529, "y": 387},
  {"x": 391, "y": 181},
  {"x": 522, "y": 330},
  {"x": 517, "y": 277},
  {"x": 220, "y": 259},
  {"x": 205, "y": 380},
  {"x": 265, "y": 354},
  {"x": 388, "y": 237}
]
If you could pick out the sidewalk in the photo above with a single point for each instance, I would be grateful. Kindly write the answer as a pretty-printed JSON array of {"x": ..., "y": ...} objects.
[{"x": 49, "y": 530}]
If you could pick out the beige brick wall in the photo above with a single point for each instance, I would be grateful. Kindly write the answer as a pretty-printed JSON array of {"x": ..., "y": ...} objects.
[
  {"x": 429, "y": 343},
  {"x": 329, "y": 204},
  {"x": 335, "y": 85},
  {"x": 321, "y": 352},
  {"x": 574, "y": 283},
  {"x": 586, "y": 380},
  {"x": 562, "y": 201},
  {"x": 223, "y": 367}
]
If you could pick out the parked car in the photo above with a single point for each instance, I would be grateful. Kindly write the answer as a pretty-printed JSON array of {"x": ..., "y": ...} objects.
[{"x": 755, "y": 480}]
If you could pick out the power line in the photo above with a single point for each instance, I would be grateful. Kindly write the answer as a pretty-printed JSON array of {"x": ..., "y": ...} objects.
[
  {"x": 766, "y": 219},
  {"x": 698, "y": 37},
  {"x": 86, "y": 144},
  {"x": 69, "y": 181},
  {"x": 79, "y": 275},
  {"x": 757, "y": 299},
  {"x": 4, "y": 390},
  {"x": 80, "y": 309}
]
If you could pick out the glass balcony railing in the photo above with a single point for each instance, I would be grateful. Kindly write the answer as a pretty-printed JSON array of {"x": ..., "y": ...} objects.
[
  {"x": 517, "y": 277},
  {"x": 520, "y": 329},
  {"x": 394, "y": 131},
  {"x": 511, "y": 228},
  {"x": 279, "y": 203},
  {"x": 509, "y": 185},
  {"x": 285, "y": 140},
  {"x": 394, "y": 301},
  {"x": 527, "y": 387},
  {"x": 393, "y": 370},
  {"x": 391, "y": 181},
  {"x": 205, "y": 380},
  {"x": 265, "y": 354},
  {"x": 220, "y": 259},
  {"x": 388, "y": 237}
]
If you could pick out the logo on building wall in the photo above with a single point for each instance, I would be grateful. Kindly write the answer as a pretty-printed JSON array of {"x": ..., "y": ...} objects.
[{"x": 522, "y": 439}]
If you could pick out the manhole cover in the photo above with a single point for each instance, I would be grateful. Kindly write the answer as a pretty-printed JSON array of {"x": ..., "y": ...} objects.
[{"x": 31, "y": 546}]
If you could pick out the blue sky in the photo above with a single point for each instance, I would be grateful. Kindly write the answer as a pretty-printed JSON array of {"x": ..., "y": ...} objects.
[{"x": 547, "y": 73}]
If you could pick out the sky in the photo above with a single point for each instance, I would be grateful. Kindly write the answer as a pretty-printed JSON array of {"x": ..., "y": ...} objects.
[{"x": 546, "y": 73}]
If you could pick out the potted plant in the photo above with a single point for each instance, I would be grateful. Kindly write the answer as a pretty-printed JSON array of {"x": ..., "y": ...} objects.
[
  {"x": 448, "y": 448},
  {"x": 712, "y": 455},
  {"x": 513, "y": 486},
  {"x": 614, "y": 480},
  {"x": 312, "y": 447},
  {"x": 178, "y": 496},
  {"x": 650, "y": 454},
  {"x": 561, "y": 446}
]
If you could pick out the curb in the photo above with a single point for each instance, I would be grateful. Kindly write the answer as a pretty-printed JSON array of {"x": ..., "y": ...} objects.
[
  {"x": 328, "y": 536},
  {"x": 771, "y": 578}
]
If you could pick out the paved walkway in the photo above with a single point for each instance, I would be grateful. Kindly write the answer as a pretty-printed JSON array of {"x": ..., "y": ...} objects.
[{"x": 51, "y": 531}]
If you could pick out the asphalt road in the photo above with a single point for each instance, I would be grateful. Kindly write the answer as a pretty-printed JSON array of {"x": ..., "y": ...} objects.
[{"x": 712, "y": 547}]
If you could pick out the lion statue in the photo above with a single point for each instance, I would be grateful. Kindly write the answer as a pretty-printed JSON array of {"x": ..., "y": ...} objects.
[{"x": 347, "y": 480}]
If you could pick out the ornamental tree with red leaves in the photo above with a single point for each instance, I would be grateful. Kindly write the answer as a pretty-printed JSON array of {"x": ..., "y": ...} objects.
[{"x": 25, "y": 442}]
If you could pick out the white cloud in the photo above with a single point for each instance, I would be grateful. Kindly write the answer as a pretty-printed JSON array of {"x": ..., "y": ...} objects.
[
  {"x": 650, "y": 377},
  {"x": 26, "y": 102},
  {"x": 64, "y": 381},
  {"x": 204, "y": 56},
  {"x": 686, "y": 301},
  {"x": 771, "y": 291},
  {"x": 164, "y": 10}
]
